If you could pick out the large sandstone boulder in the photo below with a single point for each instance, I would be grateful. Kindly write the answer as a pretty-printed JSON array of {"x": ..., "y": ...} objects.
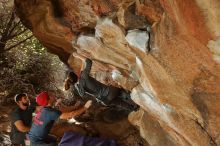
[{"x": 175, "y": 80}]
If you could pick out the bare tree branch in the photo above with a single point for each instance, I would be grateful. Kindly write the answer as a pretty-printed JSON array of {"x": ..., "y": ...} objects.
[
  {"x": 9, "y": 24},
  {"x": 2, "y": 42},
  {"x": 7, "y": 49},
  {"x": 4, "y": 18},
  {"x": 2, "y": 21},
  {"x": 14, "y": 26},
  {"x": 17, "y": 34}
]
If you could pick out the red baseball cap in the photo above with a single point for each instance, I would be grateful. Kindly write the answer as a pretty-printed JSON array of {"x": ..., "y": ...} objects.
[{"x": 42, "y": 99}]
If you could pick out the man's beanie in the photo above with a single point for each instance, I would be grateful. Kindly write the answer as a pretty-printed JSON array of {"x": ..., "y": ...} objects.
[{"x": 42, "y": 99}]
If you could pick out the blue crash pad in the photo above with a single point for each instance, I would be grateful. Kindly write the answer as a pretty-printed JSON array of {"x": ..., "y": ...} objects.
[{"x": 75, "y": 139}]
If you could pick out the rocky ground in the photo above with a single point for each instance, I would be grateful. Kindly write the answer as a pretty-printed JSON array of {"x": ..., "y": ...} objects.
[{"x": 5, "y": 124}]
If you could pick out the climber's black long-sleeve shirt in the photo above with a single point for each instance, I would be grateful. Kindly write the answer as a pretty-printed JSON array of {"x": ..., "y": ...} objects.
[
  {"x": 101, "y": 91},
  {"x": 89, "y": 84}
]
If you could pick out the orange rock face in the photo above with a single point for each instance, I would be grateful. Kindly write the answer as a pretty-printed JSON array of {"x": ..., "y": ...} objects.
[{"x": 176, "y": 83}]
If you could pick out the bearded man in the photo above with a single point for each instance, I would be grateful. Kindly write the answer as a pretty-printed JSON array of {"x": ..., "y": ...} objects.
[{"x": 21, "y": 119}]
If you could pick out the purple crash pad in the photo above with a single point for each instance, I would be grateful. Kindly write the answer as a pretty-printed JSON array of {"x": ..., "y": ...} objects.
[{"x": 75, "y": 139}]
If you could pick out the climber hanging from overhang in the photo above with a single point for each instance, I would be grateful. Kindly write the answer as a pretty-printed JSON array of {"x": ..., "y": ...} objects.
[{"x": 107, "y": 95}]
